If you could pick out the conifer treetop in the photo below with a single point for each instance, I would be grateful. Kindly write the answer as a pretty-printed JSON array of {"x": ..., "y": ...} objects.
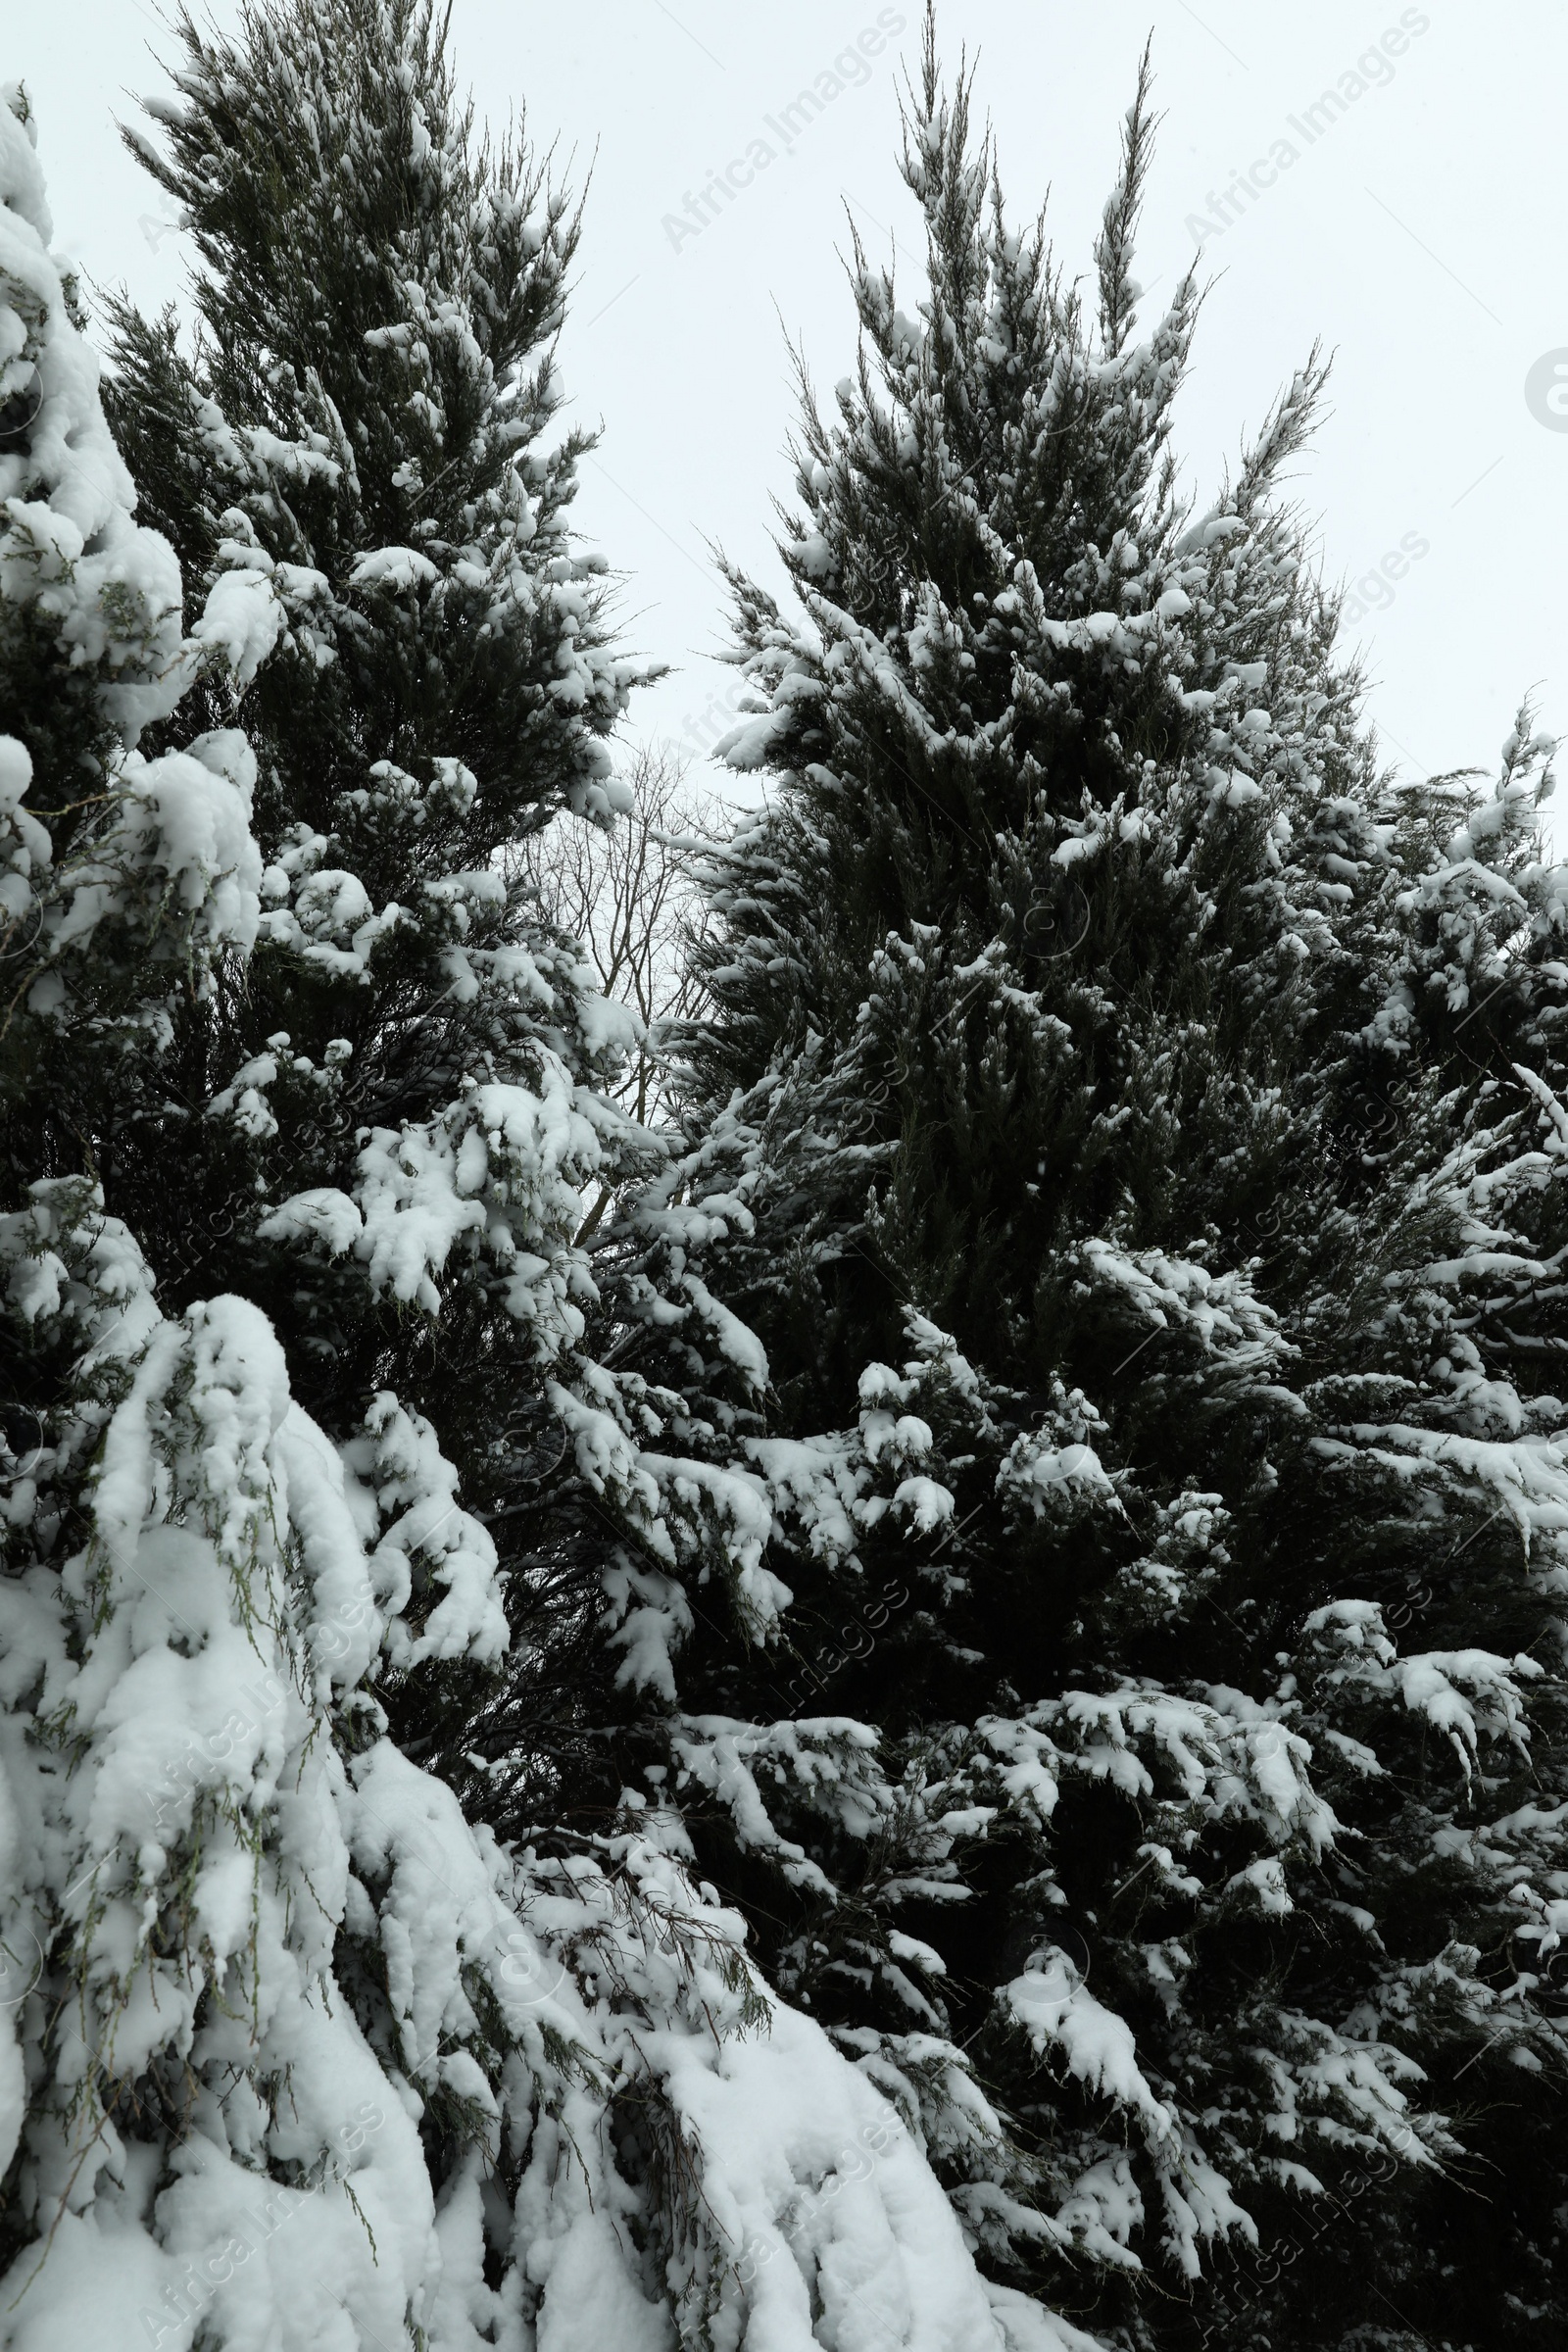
[{"x": 1112, "y": 1114}]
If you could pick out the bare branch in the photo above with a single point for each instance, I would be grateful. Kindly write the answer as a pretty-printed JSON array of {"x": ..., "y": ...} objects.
[{"x": 628, "y": 895}]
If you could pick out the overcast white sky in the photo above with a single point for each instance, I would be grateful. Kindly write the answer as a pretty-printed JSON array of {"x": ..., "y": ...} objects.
[{"x": 1421, "y": 235}]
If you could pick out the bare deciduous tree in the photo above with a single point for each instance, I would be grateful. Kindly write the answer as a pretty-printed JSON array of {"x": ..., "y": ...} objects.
[{"x": 628, "y": 894}]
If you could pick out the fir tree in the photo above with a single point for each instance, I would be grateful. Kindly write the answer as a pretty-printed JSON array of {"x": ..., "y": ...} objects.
[{"x": 1078, "y": 1114}]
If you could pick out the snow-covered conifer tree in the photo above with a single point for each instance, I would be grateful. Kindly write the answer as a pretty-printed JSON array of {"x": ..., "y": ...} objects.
[
  {"x": 303, "y": 1103},
  {"x": 1451, "y": 1441},
  {"x": 1076, "y": 1114},
  {"x": 118, "y": 867}
]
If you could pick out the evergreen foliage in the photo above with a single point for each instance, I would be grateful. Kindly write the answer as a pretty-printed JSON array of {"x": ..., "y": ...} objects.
[
  {"x": 321, "y": 1508},
  {"x": 1131, "y": 1104},
  {"x": 359, "y": 457},
  {"x": 933, "y": 1699}
]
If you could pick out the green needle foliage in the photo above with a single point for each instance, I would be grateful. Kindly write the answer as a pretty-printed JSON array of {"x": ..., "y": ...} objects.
[
  {"x": 1137, "y": 1179},
  {"x": 362, "y": 451}
]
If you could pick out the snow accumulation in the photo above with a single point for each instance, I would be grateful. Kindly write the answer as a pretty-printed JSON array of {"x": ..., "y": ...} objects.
[
  {"x": 272, "y": 2005},
  {"x": 218, "y": 1879}
]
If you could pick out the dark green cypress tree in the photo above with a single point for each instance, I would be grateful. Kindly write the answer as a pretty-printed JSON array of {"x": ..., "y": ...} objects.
[
  {"x": 1453, "y": 1442},
  {"x": 1070, "y": 1153},
  {"x": 358, "y": 453}
]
